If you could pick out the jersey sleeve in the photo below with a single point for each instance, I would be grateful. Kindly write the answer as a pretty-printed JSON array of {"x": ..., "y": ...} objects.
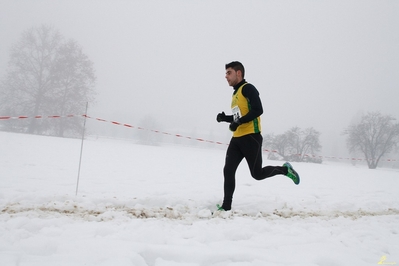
[{"x": 251, "y": 93}]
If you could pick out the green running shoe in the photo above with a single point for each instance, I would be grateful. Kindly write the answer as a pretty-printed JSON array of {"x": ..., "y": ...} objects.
[
  {"x": 221, "y": 208},
  {"x": 291, "y": 173}
]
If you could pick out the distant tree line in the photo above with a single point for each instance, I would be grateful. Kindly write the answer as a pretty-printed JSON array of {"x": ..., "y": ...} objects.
[
  {"x": 46, "y": 75},
  {"x": 375, "y": 136}
]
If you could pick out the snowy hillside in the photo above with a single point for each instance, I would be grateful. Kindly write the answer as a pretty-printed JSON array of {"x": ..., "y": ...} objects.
[{"x": 152, "y": 205}]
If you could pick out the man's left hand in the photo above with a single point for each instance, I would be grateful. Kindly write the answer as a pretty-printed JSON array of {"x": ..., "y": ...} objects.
[{"x": 233, "y": 126}]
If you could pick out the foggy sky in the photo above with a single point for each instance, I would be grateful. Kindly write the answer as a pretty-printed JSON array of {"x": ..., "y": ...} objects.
[{"x": 315, "y": 63}]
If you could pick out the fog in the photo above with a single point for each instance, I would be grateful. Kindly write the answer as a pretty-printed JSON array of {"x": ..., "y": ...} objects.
[{"x": 315, "y": 63}]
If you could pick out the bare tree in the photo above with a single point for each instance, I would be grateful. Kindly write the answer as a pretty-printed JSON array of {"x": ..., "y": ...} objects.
[
  {"x": 279, "y": 144},
  {"x": 46, "y": 75},
  {"x": 304, "y": 143},
  {"x": 375, "y": 136},
  {"x": 74, "y": 81},
  {"x": 296, "y": 144}
]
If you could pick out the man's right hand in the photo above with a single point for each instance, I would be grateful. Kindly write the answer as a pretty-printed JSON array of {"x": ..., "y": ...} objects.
[{"x": 221, "y": 117}]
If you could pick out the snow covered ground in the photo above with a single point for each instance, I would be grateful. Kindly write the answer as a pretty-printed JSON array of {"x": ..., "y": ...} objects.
[{"x": 152, "y": 205}]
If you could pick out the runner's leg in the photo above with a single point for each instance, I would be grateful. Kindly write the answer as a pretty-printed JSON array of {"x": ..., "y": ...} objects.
[
  {"x": 251, "y": 147},
  {"x": 233, "y": 158}
]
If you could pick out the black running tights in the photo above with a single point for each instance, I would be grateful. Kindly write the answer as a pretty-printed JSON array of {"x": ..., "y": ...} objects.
[{"x": 250, "y": 148}]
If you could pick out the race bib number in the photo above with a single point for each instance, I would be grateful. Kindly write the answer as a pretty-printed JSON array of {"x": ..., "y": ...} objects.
[{"x": 236, "y": 113}]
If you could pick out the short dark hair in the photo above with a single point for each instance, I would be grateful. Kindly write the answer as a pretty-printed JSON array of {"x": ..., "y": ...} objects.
[{"x": 236, "y": 66}]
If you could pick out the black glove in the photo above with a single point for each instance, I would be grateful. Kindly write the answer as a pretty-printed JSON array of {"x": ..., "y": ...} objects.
[
  {"x": 221, "y": 117},
  {"x": 234, "y": 125}
]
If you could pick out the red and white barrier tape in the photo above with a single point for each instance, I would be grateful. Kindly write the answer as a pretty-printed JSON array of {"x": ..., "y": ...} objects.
[
  {"x": 37, "y": 116},
  {"x": 155, "y": 131},
  {"x": 180, "y": 136}
]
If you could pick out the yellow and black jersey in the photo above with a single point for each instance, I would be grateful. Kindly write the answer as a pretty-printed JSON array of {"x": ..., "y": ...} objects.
[{"x": 247, "y": 107}]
